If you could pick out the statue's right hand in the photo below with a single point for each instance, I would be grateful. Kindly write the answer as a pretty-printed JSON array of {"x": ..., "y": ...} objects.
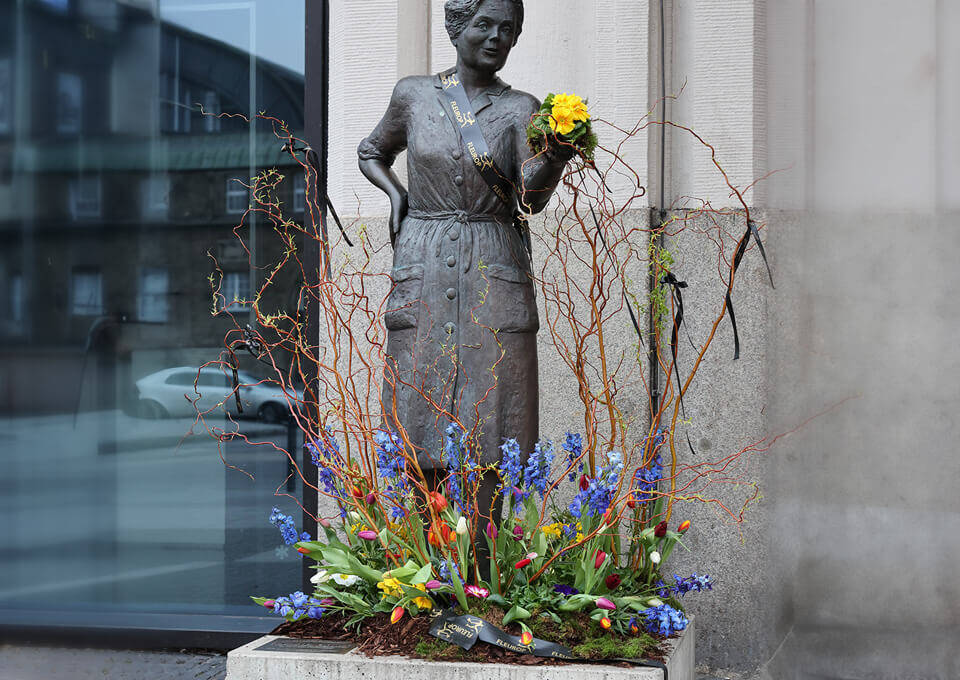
[{"x": 398, "y": 210}]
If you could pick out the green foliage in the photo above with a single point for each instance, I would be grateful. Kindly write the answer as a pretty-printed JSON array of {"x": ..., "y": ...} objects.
[{"x": 612, "y": 647}]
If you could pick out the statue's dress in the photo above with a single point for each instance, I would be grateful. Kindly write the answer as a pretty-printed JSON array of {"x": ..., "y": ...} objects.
[{"x": 462, "y": 316}]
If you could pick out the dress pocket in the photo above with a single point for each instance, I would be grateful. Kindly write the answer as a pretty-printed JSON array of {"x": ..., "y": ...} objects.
[
  {"x": 510, "y": 305},
  {"x": 403, "y": 304}
]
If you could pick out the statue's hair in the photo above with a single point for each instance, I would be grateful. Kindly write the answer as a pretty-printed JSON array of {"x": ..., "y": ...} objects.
[{"x": 459, "y": 13}]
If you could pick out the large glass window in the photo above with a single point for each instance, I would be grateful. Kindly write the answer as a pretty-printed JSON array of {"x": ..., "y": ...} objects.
[{"x": 113, "y": 195}]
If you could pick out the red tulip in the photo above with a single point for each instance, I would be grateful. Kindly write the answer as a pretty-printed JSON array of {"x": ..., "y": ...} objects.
[
  {"x": 608, "y": 516},
  {"x": 684, "y": 526},
  {"x": 303, "y": 551},
  {"x": 631, "y": 501},
  {"x": 522, "y": 563},
  {"x": 661, "y": 530},
  {"x": 612, "y": 581},
  {"x": 526, "y": 637},
  {"x": 598, "y": 560},
  {"x": 356, "y": 492},
  {"x": 447, "y": 534},
  {"x": 605, "y": 623},
  {"x": 437, "y": 501},
  {"x": 396, "y": 615},
  {"x": 371, "y": 498},
  {"x": 634, "y": 629},
  {"x": 584, "y": 483}
]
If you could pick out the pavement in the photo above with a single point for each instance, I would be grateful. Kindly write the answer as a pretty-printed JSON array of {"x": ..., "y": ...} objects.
[{"x": 55, "y": 663}]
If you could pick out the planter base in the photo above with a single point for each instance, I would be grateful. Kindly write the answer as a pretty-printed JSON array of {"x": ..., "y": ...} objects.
[{"x": 278, "y": 658}]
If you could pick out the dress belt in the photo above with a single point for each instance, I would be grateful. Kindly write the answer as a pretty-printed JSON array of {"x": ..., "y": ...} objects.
[{"x": 460, "y": 216}]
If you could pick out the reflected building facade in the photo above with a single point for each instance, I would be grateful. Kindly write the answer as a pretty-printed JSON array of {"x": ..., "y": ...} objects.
[{"x": 118, "y": 188}]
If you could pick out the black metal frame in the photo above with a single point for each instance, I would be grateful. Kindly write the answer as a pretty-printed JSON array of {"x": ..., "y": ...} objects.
[{"x": 132, "y": 630}]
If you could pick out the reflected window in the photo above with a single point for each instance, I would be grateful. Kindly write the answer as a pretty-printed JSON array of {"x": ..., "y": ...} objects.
[
  {"x": 153, "y": 302},
  {"x": 238, "y": 196},
  {"x": 16, "y": 298},
  {"x": 235, "y": 287},
  {"x": 210, "y": 377},
  {"x": 155, "y": 196},
  {"x": 86, "y": 292},
  {"x": 181, "y": 378},
  {"x": 62, "y": 5},
  {"x": 6, "y": 96},
  {"x": 211, "y": 111},
  {"x": 69, "y": 103},
  {"x": 299, "y": 193},
  {"x": 85, "y": 197}
]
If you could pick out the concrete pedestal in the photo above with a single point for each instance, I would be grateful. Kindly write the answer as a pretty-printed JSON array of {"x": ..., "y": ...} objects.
[{"x": 276, "y": 658}]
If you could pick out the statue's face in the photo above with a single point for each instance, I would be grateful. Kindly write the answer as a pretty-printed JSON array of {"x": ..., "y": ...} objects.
[{"x": 487, "y": 40}]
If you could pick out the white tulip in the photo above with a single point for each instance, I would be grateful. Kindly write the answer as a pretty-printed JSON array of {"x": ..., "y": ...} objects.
[
  {"x": 320, "y": 577},
  {"x": 462, "y": 525},
  {"x": 654, "y": 602},
  {"x": 655, "y": 557}
]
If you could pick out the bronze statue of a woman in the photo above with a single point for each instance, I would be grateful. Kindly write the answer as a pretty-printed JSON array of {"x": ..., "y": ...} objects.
[{"x": 462, "y": 316}]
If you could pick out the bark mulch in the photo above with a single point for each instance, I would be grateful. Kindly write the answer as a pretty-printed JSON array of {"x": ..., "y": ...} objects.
[{"x": 411, "y": 638}]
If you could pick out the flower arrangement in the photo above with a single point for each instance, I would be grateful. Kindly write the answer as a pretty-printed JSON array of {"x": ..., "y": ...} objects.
[
  {"x": 563, "y": 119},
  {"x": 601, "y": 555},
  {"x": 403, "y": 545}
]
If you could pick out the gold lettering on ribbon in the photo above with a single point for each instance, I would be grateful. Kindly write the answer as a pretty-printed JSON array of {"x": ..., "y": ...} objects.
[{"x": 449, "y": 81}]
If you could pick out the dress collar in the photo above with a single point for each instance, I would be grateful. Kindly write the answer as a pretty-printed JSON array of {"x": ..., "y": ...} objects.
[{"x": 482, "y": 100}]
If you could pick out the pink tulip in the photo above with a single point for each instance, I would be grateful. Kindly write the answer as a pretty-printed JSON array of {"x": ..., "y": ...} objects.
[
  {"x": 269, "y": 604},
  {"x": 434, "y": 585},
  {"x": 492, "y": 532},
  {"x": 368, "y": 535},
  {"x": 325, "y": 523},
  {"x": 604, "y": 603},
  {"x": 517, "y": 533},
  {"x": 371, "y": 498}
]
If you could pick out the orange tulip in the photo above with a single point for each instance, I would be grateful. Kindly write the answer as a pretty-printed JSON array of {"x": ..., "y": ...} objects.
[
  {"x": 433, "y": 539},
  {"x": 526, "y": 637},
  {"x": 605, "y": 623},
  {"x": 684, "y": 526},
  {"x": 396, "y": 615},
  {"x": 303, "y": 551}
]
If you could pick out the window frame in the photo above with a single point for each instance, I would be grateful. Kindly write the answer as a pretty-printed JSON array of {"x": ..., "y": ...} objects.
[
  {"x": 95, "y": 308},
  {"x": 236, "y": 189}
]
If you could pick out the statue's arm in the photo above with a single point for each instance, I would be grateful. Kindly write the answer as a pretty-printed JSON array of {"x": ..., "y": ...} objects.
[
  {"x": 379, "y": 150},
  {"x": 540, "y": 174}
]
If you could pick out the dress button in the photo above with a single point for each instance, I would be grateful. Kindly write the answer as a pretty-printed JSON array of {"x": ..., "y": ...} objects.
[
  {"x": 449, "y": 328},
  {"x": 454, "y": 235},
  {"x": 457, "y": 155},
  {"x": 451, "y": 293},
  {"x": 451, "y": 261},
  {"x": 458, "y": 180}
]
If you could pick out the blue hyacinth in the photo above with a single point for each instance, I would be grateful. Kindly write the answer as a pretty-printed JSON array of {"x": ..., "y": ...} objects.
[
  {"x": 663, "y": 620},
  {"x": 537, "y": 473},
  {"x": 287, "y": 527},
  {"x": 691, "y": 583},
  {"x": 645, "y": 479},
  {"x": 325, "y": 454},
  {"x": 392, "y": 466},
  {"x": 573, "y": 445},
  {"x": 598, "y": 495},
  {"x": 462, "y": 467},
  {"x": 510, "y": 466},
  {"x": 298, "y": 605}
]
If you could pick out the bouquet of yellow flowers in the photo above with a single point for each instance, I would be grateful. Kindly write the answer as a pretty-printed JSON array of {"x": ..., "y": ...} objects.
[{"x": 564, "y": 117}]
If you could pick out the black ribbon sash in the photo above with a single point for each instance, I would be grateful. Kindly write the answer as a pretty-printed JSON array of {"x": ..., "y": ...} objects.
[
  {"x": 456, "y": 101},
  {"x": 466, "y": 629},
  {"x": 752, "y": 231}
]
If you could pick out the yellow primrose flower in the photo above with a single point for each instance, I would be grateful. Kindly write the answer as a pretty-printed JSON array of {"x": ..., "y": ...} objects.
[
  {"x": 561, "y": 120},
  {"x": 423, "y": 603},
  {"x": 552, "y": 530},
  {"x": 571, "y": 101},
  {"x": 390, "y": 587}
]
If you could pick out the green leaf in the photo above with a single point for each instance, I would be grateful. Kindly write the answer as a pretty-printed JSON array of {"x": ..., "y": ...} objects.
[
  {"x": 515, "y": 614},
  {"x": 457, "y": 586},
  {"x": 423, "y": 575},
  {"x": 577, "y": 602},
  {"x": 497, "y": 600}
]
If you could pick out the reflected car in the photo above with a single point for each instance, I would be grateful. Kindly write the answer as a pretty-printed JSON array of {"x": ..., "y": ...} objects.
[{"x": 161, "y": 394}]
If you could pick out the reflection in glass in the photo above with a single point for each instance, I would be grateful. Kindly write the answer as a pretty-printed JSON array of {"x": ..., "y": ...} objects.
[{"x": 114, "y": 187}]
